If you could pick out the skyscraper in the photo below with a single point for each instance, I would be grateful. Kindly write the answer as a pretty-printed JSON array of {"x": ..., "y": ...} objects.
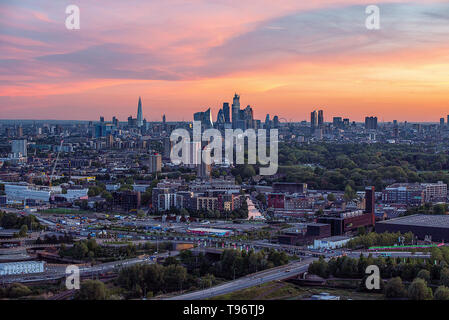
[
  {"x": 220, "y": 117},
  {"x": 235, "y": 110},
  {"x": 205, "y": 117},
  {"x": 371, "y": 123},
  {"x": 248, "y": 117},
  {"x": 276, "y": 122},
  {"x": 19, "y": 148},
  {"x": 313, "y": 119},
  {"x": 267, "y": 120},
  {"x": 139, "y": 114},
  {"x": 226, "y": 112},
  {"x": 320, "y": 118}
]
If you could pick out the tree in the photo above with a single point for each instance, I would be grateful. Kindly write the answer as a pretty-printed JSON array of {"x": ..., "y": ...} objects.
[
  {"x": 395, "y": 288},
  {"x": 444, "y": 277},
  {"x": 442, "y": 293},
  {"x": 349, "y": 193},
  {"x": 424, "y": 274},
  {"x": 92, "y": 290},
  {"x": 23, "y": 231},
  {"x": 18, "y": 290},
  {"x": 174, "y": 277},
  {"x": 419, "y": 290},
  {"x": 331, "y": 197}
]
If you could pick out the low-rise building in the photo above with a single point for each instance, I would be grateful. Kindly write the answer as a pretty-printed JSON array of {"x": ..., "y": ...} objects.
[{"x": 22, "y": 267}]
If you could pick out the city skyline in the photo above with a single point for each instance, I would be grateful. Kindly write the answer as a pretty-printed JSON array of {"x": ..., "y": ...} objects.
[{"x": 286, "y": 58}]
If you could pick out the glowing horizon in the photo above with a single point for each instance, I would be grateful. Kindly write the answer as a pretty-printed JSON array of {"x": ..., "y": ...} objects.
[{"x": 284, "y": 58}]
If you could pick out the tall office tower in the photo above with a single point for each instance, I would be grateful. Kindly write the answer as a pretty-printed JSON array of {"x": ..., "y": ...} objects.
[
  {"x": 226, "y": 112},
  {"x": 447, "y": 121},
  {"x": 19, "y": 148},
  {"x": 101, "y": 119},
  {"x": 276, "y": 122},
  {"x": 370, "y": 203},
  {"x": 115, "y": 121},
  {"x": 155, "y": 163},
  {"x": 441, "y": 122},
  {"x": 371, "y": 123},
  {"x": 139, "y": 114},
  {"x": 249, "y": 117},
  {"x": 395, "y": 129},
  {"x": 267, "y": 120},
  {"x": 204, "y": 168},
  {"x": 198, "y": 116},
  {"x": 313, "y": 119},
  {"x": 110, "y": 141},
  {"x": 167, "y": 147},
  {"x": 320, "y": 118},
  {"x": 163, "y": 119},
  {"x": 20, "y": 131},
  {"x": 194, "y": 157},
  {"x": 337, "y": 122},
  {"x": 220, "y": 117},
  {"x": 207, "y": 119},
  {"x": 235, "y": 110}
]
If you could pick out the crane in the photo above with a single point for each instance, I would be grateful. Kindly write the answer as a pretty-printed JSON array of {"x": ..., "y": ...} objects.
[{"x": 56, "y": 162}]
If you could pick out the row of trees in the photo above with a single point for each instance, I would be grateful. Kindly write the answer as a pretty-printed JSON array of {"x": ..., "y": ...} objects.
[
  {"x": 232, "y": 263},
  {"x": 13, "y": 221},
  {"x": 428, "y": 208},
  {"x": 407, "y": 269},
  {"x": 379, "y": 239},
  {"x": 53, "y": 239},
  {"x": 144, "y": 280},
  {"x": 422, "y": 274},
  {"x": 417, "y": 290},
  {"x": 90, "y": 250}
]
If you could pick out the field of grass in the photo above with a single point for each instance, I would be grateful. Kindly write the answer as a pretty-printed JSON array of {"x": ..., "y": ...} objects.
[
  {"x": 288, "y": 291},
  {"x": 65, "y": 211}
]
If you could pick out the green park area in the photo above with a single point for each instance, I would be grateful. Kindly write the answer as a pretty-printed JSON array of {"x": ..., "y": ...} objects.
[{"x": 283, "y": 290}]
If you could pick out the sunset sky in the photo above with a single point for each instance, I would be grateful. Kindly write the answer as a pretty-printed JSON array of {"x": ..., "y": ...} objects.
[{"x": 285, "y": 57}]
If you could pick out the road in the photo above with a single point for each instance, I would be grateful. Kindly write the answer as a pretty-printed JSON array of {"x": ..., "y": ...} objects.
[
  {"x": 58, "y": 272},
  {"x": 279, "y": 273}
]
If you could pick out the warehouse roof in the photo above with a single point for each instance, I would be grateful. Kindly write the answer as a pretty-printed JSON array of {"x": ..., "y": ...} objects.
[{"x": 421, "y": 220}]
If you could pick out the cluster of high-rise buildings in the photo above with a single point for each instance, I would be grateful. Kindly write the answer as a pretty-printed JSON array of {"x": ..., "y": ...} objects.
[{"x": 233, "y": 117}]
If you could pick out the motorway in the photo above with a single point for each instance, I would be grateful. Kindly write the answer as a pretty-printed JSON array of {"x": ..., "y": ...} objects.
[
  {"x": 282, "y": 273},
  {"x": 279, "y": 273}
]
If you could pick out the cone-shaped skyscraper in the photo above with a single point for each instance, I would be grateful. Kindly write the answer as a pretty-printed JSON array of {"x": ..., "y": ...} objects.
[{"x": 139, "y": 114}]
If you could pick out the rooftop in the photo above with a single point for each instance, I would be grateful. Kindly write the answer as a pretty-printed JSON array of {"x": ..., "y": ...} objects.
[{"x": 436, "y": 221}]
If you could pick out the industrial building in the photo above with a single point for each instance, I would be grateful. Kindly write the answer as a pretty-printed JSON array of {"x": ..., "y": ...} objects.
[
  {"x": 330, "y": 243},
  {"x": 347, "y": 221},
  {"x": 22, "y": 192},
  {"x": 422, "y": 226},
  {"x": 304, "y": 233},
  {"x": 23, "y": 267},
  {"x": 210, "y": 232}
]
